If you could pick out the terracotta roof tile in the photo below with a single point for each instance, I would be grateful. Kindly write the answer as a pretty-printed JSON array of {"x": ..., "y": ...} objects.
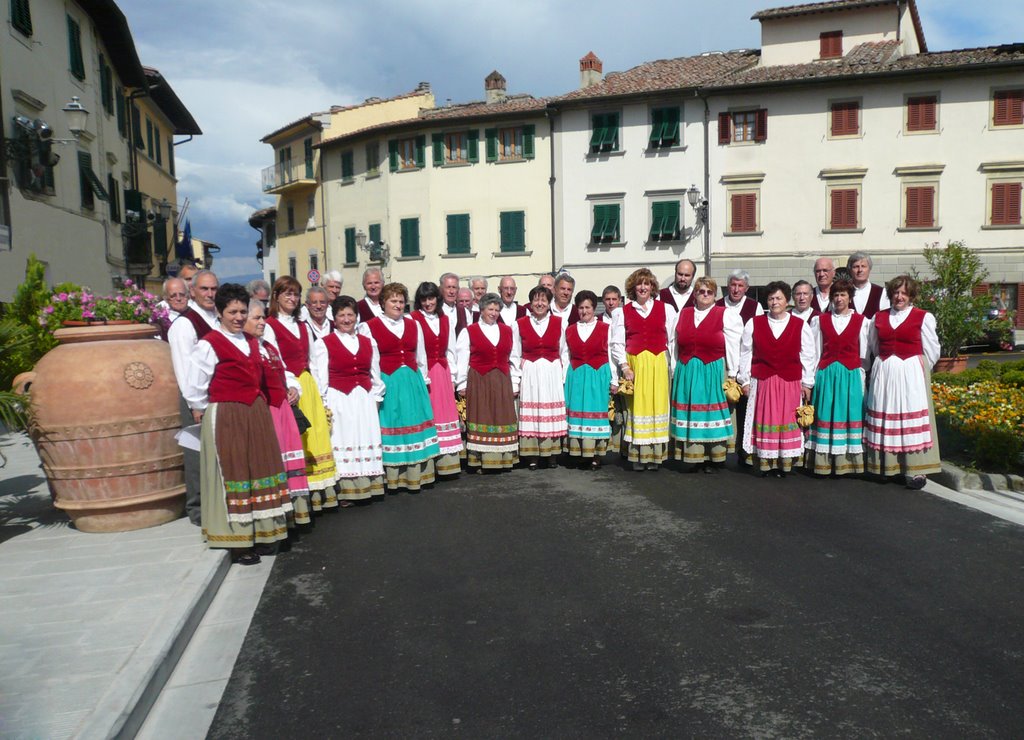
[{"x": 821, "y": 7}]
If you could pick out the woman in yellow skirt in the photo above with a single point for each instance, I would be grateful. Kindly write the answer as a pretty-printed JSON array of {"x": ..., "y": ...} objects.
[{"x": 640, "y": 349}]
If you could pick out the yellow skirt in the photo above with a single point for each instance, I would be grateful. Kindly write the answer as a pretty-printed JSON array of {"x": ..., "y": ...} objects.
[
  {"x": 316, "y": 442},
  {"x": 646, "y": 418}
]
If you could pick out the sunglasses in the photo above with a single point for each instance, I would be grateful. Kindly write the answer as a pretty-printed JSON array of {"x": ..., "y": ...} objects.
[{"x": 705, "y": 291}]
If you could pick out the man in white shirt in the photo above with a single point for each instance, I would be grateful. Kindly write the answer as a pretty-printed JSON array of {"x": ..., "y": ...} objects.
[
  {"x": 562, "y": 305},
  {"x": 680, "y": 292},
  {"x": 449, "y": 285},
  {"x": 868, "y": 298},
  {"x": 479, "y": 287},
  {"x": 369, "y": 306},
  {"x": 824, "y": 276},
  {"x": 194, "y": 322},
  {"x": 510, "y": 310},
  {"x": 468, "y": 314},
  {"x": 735, "y": 298},
  {"x": 611, "y": 297},
  {"x": 548, "y": 281},
  {"x": 802, "y": 296}
]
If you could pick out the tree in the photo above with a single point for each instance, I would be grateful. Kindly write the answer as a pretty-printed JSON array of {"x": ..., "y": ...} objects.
[{"x": 949, "y": 295}]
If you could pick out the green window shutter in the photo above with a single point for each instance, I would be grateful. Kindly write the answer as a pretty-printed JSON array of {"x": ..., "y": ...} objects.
[
  {"x": 519, "y": 226},
  {"x": 613, "y": 226},
  {"x": 137, "y": 127},
  {"x": 170, "y": 156},
  {"x": 437, "y": 141},
  {"x": 410, "y": 230},
  {"x": 393, "y": 155},
  {"x": 528, "y": 134},
  {"x": 85, "y": 165},
  {"x": 119, "y": 109},
  {"x": 474, "y": 146},
  {"x": 160, "y": 237},
  {"x": 115, "y": 209},
  {"x": 75, "y": 49},
  {"x": 307, "y": 146},
  {"x": 671, "y": 211},
  {"x": 108, "y": 95},
  {"x": 610, "y": 142},
  {"x": 347, "y": 165},
  {"x": 375, "y": 233},
  {"x": 458, "y": 233},
  {"x": 157, "y": 147},
  {"x": 21, "y": 16},
  {"x": 597, "y": 123},
  {"x": 600, "y": 224},
  {"x": 657, "y": 215},
  {"x": 149, "y": 138},
  {"x": 513, "y": 232},
  {"x": 503, "y": 231},
  {"x": 421, "y": 146},
  {"x": 464, "y": 233},
  {"x": 606, "y": 223},
  {"x": 104, "y": 80},
  {"x": 657, "y": 129},
  {"x": 350, "y": 245},
  {"x": 491, "y": 135},
  {"x": 670, "y": 136}
]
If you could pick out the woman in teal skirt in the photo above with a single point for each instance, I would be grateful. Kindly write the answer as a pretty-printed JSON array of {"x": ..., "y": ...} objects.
[
  {"x": 589, "y": 380},
  {"x": 706, "y": 349},
  {"x": 834, "y": 445},
  {"x": 406, "y": 417}
]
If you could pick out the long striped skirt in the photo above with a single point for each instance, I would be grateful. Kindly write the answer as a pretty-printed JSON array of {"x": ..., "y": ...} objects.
[
  {"x": 492, "y": 431},
  {"x": 899, "y": 426},
  {"x": 700, "y": 422},
  {"x": 316, "y": 442},
  {"x": 355, "y": 440},
  {"x": 446, "y": 420},
  {"x": 835, "y": 442},
  {"x": 772, "y": 433},
  {"x": 244, "y": 487},
  {"x": 294, "y": 460},
  {"x": 407, "y": 431},
  {"x": 542, "y": 424},
  {"x": 645, "y": 426},
  {"x": 586, "y": 399}
]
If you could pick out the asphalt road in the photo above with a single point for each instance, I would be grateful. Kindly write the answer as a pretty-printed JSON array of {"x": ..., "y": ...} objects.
[{"x": 574, "y": 604}]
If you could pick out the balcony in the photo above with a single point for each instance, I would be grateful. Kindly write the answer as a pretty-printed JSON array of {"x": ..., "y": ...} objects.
[{"x": 286, "y": 177}]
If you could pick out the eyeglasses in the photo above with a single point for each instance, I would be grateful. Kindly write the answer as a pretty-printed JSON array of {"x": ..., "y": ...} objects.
[
  {"x": 176, "y": 295},
  {"x": 817, "y": 271},
  {"x": 705, "y": 291}
]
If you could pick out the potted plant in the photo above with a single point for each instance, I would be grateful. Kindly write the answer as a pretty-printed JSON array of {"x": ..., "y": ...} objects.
[
  {"x": 949, "y": 294},
  {"x": 73, "y": 305}
]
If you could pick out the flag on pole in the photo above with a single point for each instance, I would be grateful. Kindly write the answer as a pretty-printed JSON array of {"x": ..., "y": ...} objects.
[{"x": 184, "y": 247}]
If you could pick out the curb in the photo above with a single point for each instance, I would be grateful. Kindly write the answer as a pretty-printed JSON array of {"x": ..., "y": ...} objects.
[
  {"x": 125, "y": 705},
  {"x": 1001, "y": 496}
]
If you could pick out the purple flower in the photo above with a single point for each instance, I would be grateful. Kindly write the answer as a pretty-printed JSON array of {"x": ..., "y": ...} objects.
[
  {"x": 62, "y": 296},
  {"x": 48, "y": 310},
  {"x": 87, "y": 314}
]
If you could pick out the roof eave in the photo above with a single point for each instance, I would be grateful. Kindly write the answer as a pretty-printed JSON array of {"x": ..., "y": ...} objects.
[
  {"x": 112, "y": 27},
  {"x": 163, "y": 95}
]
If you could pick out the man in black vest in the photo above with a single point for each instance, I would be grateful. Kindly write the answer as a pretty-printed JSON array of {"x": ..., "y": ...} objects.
[
  {"x": 824, "y": 276},
  {"x": 562, "y": 305},
  {"x": 369, "y": 305},
  {"x": 679, "y": 294},
  {"x": 199, "y": 318},
  {"x": 510, "y": 310},
  {"x": 868, "y": 298}
]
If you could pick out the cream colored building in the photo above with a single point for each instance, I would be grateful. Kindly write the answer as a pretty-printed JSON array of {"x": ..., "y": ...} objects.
[{"x": 460, "y": 188}]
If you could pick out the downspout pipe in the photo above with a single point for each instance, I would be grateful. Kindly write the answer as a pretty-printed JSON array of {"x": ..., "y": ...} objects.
[
  {"x": 707, "y": 187},
  {"x": 551, "y": 181}
]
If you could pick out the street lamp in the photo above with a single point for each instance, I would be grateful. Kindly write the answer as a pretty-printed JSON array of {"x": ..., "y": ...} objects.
[
  {"x": 77, "y": 116},
  {"x": 376, "y": 252},
  {"x": 165, "y": 209},
  {"x": 699, "y": 204}
]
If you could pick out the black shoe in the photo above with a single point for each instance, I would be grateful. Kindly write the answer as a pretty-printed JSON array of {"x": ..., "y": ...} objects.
[
  {"x": 917, "y": 482},
  {"x": 246, "y": 558}
]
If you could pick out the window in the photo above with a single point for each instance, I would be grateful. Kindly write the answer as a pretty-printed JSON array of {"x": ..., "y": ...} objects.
[
  {"x": 348, "y": 166},
  {"x": 743, "y": 212},
  {"x": 831, "y": 44},
  {"x": 458, "y": 233},
  {"x": 664, "y": 127},
  {"x": 307, "y": 148},
  {"x": 273, "y": 277},
  {"x": 170, "y": 156},
  {"x": 311, "y": 212},
  {"x": 106, "y": 86},
  {"x": 350, "y": 246},
  {"x": 744, "y": 126},
  {"x": 90, "y": 184},
  {"x": 77, "y": 61},
  {"x": 160, "y": 238},
  {"x": 157, "y": 146},
  {"x": 456, "y": 148},
  {"x": 1008, "y": 107},
  {"x": 664, "y": 221},
  {"x": 291, "y": 219},
  {"x": 149, "y": 137},
  {"x": 1005, "y": 203},
  {"x": 407, "y": 154},
  {"x": 372, "y": 158},
  {"x": 512, "y": 227},
  {"x": 21, "y": 16},
  {"x": 919, "y": 206},
  {"x": 119, "y": 109},
  {"x": 845, "y": 118},
  {"x": 844, "y": 208},
  {"x": 115, "y": 201},
  {"x": 606, "y": 228},
  {"x": 314, "y": 261},
  {"x": 604, "y": 135},
  {"x": 137, "y": 127},
  {"x": 510, "y": 144},
  {"x": 922, "y": 113},
  {"x": 410, "y": 231},
  {"x": 375, "y": 238},
  {"x": 292, "y": 266}
]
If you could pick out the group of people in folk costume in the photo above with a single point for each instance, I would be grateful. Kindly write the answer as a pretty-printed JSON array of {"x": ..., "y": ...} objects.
[{"x": 315, "y": 406}]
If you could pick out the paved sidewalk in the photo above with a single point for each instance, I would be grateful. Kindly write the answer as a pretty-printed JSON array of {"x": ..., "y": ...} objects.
[{"x": 90, "y": 624}]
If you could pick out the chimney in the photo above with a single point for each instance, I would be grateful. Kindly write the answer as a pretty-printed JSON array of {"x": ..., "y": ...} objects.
[
  {"x": 494, "y": 87},
  {"x": 590, "y": 70}
]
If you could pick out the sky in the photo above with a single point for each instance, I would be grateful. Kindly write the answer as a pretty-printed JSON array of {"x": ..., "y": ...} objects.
[{"x": 244, "y": 69}]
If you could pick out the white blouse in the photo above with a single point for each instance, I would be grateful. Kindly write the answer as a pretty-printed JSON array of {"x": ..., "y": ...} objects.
[
  {"x": 181, "y": 338},
  {"x": 292, "y": 325},
  {"x": 808, "y": 352},
  {"x": 617, "y": 339},
  {"x": 202, "y": 363},
  {"x": 541, "y": 327},
  {"x": 584, "y": 330},
  {"x": 321, "y": 358},
  {"x": 397, "y": 327},
  {"x": 861, "y": 295},
  {"x": 929, "y": 336},
  {"x": 732, "y": 327},
  {"x": 492, "y": 333},
  {"x": 434, "y": 324},
  {"x": 840, "y": 322}
]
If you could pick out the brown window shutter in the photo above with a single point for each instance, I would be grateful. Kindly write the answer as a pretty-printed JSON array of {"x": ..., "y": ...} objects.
[
  {"x": 750, "y": 212},
  {"x": 1005, "y": 204},
  {"x": 761, "y": 125},
  {"x": 928, "y": 117},
  {"x": 913, "y": 114},
  {"x": 845, "y": 118},
  {"x": 927, "y": 199},
  {"x": 850, "y": 208},
  {"x": 913, "y": 219},
  {"x": 1020, "y": 306},
  {"x": 979, "y": 289},
  {"x": 844, "y": 209},
  {"x": 737, "y": 213},
  {"x": 1013, "y": 203},
  {"x": 831, "y": 44},
  {"x": 921, "y": 113},
  {"x": 1008, "y": 108},
  {"x": 744, "y": 212},
  {"x": 724, "y": 128}
]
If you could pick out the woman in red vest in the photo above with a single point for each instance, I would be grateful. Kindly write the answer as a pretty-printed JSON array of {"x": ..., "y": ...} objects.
[
  {"x": 347, "y": 371},
  {"x": 640, "y": 332},
  {"x": 589, "y": 380},
  {"x": 835, "y": 443},
  {"x": 244, "y": 488},
  {"x": 406, "y": 417},
  {"x": 291, "y": 338},
  {"x": 484, "y": 377},
  {"x": 899, "y": 426},
  {"x": 538, "y": 350},
  {"x": 439, "y": 344},
  {"x": 281, "y": 390},
  {"x": 777, "y": 363},
  {"x": 706, "y": 352}
]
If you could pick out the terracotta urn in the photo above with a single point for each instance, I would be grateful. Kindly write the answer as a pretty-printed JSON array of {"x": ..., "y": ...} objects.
[
  {"x": 105, "y": 417},
  {"x": 951, "y": 364}
]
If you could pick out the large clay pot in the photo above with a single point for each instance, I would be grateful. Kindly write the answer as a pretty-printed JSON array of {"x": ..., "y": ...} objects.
[
  {"x": 106, "y": 413},
  {"x": 951, "y": 364}
]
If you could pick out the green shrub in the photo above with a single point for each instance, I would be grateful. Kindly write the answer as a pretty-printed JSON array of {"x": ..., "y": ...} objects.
[
  {"x": 997, "y": 450},
  {"x": 1014, "y": 378}
]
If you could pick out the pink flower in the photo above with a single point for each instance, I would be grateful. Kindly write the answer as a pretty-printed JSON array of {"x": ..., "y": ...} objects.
[
  {"x": 48, "y": 310},
  {"x": 128, "y": 283},
  {"x": 87, "y": 314},
  {"x": 62, "y": 296}
]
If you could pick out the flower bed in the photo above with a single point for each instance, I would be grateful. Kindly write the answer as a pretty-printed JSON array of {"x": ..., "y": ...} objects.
[
  {"x": 80, "y": 304},
  {"x": 980, "y": 416}
]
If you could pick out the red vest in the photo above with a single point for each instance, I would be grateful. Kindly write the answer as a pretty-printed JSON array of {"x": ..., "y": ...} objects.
[
  {"x": 903, "y": 341},
  {"x": 294, "y": 349},
  {"x": 748, "y": 309},
  {"x": 197, "y": 321},
  {"x": 236, "y": 378},
  {"x": 842, "y": 348},
  {"x": 345, "y": 370},
  {"x": 874, "y": 303},
  {"x": 520, "y": 313},
  {"x": 645, "y": 333},
  {"x": 594, "y": 351},
  {"x": 773, "y": 356},
  {"x": 435, "y": 345},
  {"x": 705, "y": 342},
  {"x": 394, "y": 352},
  {"x": 484, "y": 356},
  {"x": 667, "y": 296},
  {"x": 275, "y": 386},
  {"x": 365, "y": 312},
  {"x": 537, "y": 347}
]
